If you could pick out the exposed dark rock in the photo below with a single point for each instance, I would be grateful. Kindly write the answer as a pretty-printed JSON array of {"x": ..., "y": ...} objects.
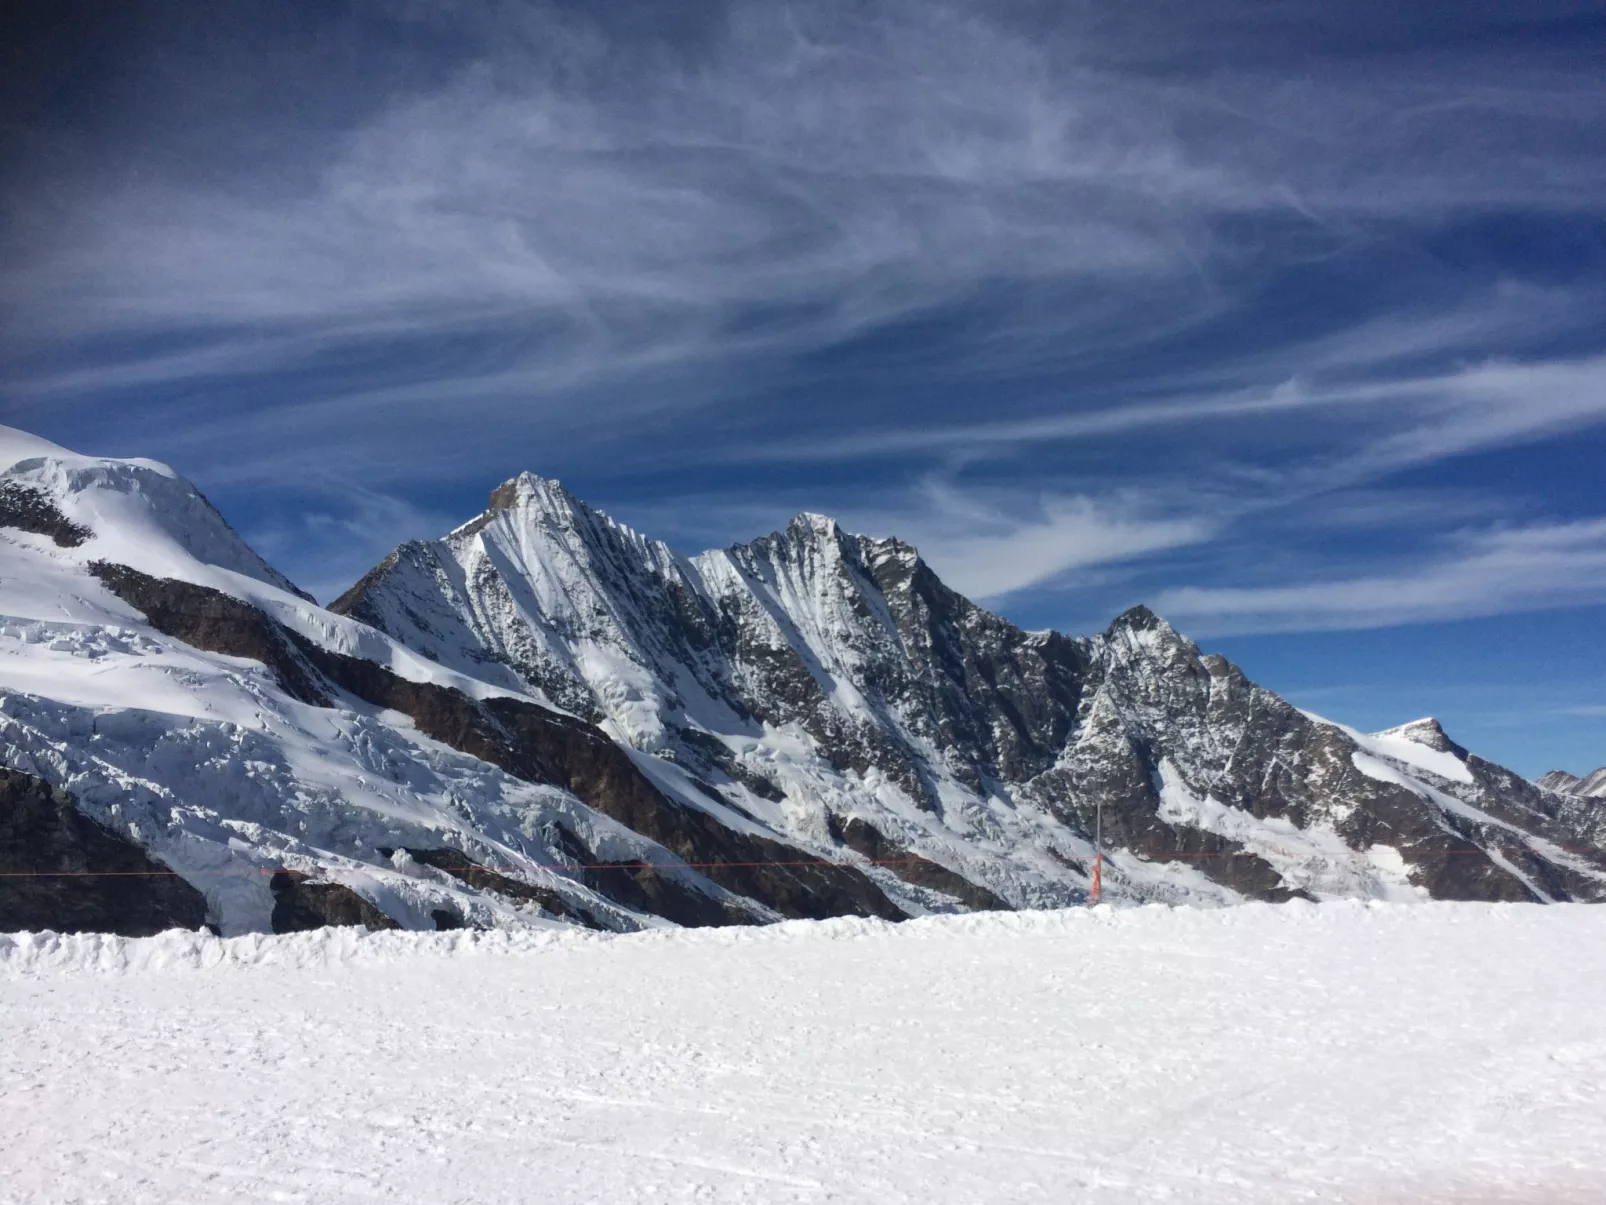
[
  {"x": 506, "y": 495},
  {"x": 783, "y": 877},
  {"x": 90, "y": 879},
  {"x": 1590, "y": 786},
  {"x": 458, "y": 864},
  {"x": 714, "y": 753},
  {"x": 878, "y": 847},
  {"x": 445, "y": 918},
  {"x": 212, "y": 620},
  {"x": 354, "y": 602},
  {"x": 29, "y": 509},
  {"x": 300, "y": 903},
  {"x": 1004, "y": 701},
  {"x": 545, "y": 746},
  {"x": 644, "y": 888},
  {"x": 526, "y": 740},
  {"x": 1244, "y": 747}
]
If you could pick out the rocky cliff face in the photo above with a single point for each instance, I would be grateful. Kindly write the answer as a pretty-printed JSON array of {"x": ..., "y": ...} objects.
[
  {"x": 61, "y": 870},
  {"x": 815, "y": 679}
]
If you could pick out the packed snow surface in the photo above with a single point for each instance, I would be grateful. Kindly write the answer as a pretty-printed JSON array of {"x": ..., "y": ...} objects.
[{"x": 1334, "y": 1052}]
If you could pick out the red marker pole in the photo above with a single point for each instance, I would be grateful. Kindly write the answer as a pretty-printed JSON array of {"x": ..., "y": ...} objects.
[{"x": 1098, "y": 857}]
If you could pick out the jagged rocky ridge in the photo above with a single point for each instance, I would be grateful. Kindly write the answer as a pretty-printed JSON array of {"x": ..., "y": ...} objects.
[
  {"x": 1590, "y": 786},
  {"x": 546, "y": 718}
]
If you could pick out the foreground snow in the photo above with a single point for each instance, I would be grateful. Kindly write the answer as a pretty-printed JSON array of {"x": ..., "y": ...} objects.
[{"x": 1341, "y": 1052}]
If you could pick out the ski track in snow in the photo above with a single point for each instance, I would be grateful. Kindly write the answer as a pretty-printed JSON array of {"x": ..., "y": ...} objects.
[{"x": 1337, "y": 1052}]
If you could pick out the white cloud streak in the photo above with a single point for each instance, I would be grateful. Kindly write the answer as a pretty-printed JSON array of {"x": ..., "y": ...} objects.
[
  {"x": 987, "y": 547},
  {"x": 835, "y": 171},
  {"x": 1073, "y": 533},
  {"x": 1489, "y": 404},
  {"x": 343, "y": 531},
  {"x": 1532, "y": 568}
]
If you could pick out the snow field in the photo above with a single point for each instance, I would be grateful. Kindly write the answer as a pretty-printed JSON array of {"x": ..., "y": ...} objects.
[{"x": 1335, "y": 1052}]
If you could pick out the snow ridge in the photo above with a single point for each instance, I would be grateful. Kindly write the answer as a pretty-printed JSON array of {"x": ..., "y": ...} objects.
[{"x": 1590, "y": 786}]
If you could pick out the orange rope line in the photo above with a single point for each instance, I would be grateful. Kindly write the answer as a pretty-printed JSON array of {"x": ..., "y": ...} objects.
[{"x": 562, "y": 866}]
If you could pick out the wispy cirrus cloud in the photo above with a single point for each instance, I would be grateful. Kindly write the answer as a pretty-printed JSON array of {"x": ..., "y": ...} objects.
[
  {"x": 845, "y": 168},
  {"x": 600, "y": 210},
  {"x": 1487, "y": 404},
  {"x": 1531, "y": 568},
  {"x": 339, "y": 530},
  {"x": 990, "y": 546}
]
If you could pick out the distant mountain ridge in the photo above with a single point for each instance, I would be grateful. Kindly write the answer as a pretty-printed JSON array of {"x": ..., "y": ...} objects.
[
  {"x": 1590, "y": 786},
  {"x": 545, "y": 718}
]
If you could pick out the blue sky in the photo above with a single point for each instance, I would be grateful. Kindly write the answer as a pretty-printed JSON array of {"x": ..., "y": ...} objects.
[{"x": 1284, "y": 318}]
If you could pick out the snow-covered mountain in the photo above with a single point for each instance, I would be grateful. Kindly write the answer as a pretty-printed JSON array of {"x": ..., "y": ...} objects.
[
  {"x": 168, "y": 701},
  {"x": 547, "y": 718},
  {"x": 1590, "y": 786},
  {"x": 830, "y": 687}
]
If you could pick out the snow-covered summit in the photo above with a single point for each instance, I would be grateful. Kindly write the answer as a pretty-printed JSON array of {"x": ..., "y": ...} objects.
[
  {"x": 1427, "y": 732},
  {"x": 529, "y": 509},
  {"x": 811, "y": 524},
  {"x": 133, "y": 512}
]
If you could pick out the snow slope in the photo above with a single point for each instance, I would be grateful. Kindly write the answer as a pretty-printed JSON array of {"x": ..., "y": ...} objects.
[
  {"x": 1421, "y": 745},
  {"x": 1249, "y": 1056},
  {"x": 136, "y": 512}
]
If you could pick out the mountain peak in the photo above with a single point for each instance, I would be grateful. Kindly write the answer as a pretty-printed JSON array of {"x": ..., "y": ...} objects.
[
  {"x": 1427, "y": 732},
  {"x": 528, "y": 488},
  {"x": 132, "y": 512},
  {"x": 810, "y": 524},
  {"x": 887, "y": 548},
  {"x": 1139, "y": 619},
  {"x": 1138, "y": 634},
  {"x": 536, "y": 503}
]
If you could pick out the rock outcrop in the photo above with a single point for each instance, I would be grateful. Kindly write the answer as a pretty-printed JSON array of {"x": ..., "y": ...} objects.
[{"x": 61, "y": 870}]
